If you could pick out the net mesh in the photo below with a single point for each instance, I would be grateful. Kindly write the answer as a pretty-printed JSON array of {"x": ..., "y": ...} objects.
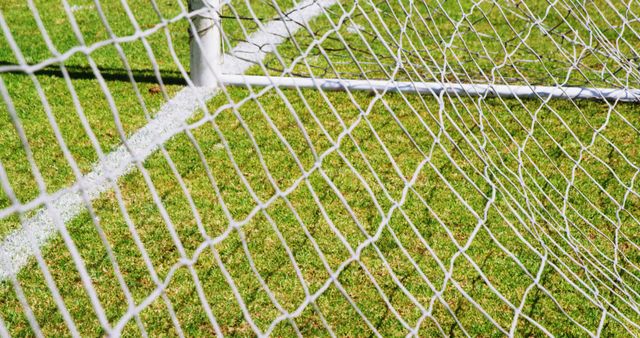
[{"x": 134, "y": 203}]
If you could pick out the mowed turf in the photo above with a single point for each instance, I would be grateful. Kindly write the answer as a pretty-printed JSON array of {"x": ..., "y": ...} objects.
[{"x": 293, "y": 210}]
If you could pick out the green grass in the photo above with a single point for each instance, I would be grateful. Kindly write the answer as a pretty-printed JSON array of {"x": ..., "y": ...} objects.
[{"x": 392, "y": 136}]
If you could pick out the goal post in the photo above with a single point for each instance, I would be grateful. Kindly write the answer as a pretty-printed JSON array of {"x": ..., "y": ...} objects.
[
  {"x": 435, "y": 88},
  {"x": 207, "y": 70},
  {"x": 205, "y": 42}
]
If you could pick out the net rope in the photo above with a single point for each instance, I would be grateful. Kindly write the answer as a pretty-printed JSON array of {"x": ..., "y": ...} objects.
[{"x": 398, "y": 199}]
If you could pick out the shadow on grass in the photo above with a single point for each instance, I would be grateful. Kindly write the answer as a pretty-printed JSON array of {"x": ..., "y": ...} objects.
[{"x": 109, "y": 74}]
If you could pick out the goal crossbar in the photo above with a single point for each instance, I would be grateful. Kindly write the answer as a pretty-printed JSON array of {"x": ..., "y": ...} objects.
[{"x": 435, "y": 88}]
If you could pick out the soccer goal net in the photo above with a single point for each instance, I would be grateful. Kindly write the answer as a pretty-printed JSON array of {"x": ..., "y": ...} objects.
[{"x": 319, "y": 168}]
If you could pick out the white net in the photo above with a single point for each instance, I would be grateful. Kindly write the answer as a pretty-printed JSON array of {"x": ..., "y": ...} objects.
[{"x": 134, "y": 203}]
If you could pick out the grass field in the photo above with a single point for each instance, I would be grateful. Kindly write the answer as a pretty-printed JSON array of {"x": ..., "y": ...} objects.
[{"x": 446, "y": 214}]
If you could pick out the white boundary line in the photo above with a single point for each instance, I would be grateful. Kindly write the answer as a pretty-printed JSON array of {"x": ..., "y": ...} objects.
[{"x": 17, "y": 247}]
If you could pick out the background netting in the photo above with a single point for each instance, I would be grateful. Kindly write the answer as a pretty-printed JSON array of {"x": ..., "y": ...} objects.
[
  {"x": 133, "y": 203},
  {"x": 577, "y": 43}
]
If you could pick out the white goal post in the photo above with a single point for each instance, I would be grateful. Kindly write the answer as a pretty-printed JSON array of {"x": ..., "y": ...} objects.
[
  {"x": 206, "y": 60},
  {"x": 435, "y": 88},
  {"x": 206, "y": 50}
]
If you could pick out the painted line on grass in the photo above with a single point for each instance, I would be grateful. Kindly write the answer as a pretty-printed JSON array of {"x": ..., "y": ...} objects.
[{"x": 18, "y": 247}]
